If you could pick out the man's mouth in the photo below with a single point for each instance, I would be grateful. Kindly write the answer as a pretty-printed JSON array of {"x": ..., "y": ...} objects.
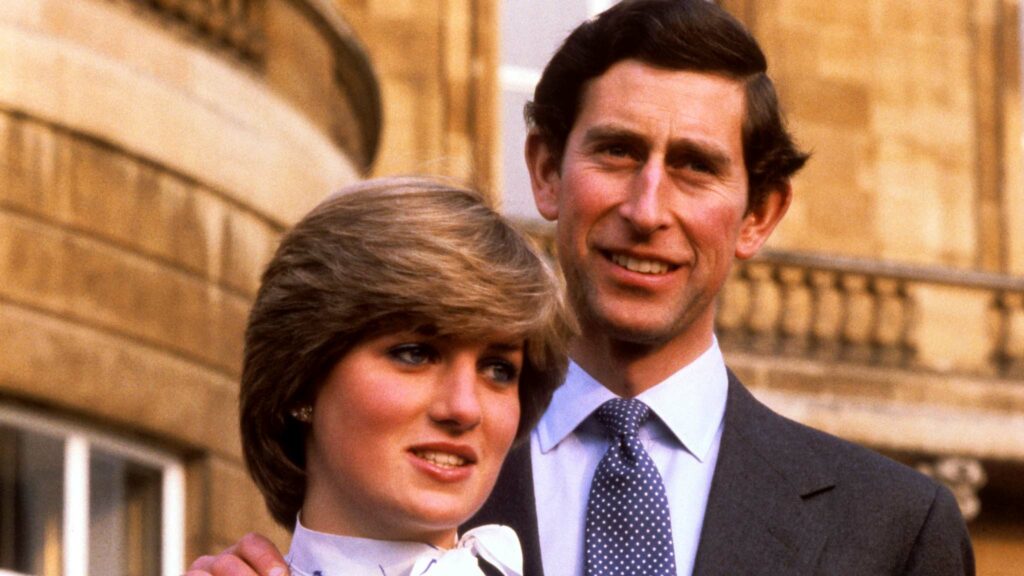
[
  {"x": 640, "y": 265},
  {"x": 442, "y": 459}
]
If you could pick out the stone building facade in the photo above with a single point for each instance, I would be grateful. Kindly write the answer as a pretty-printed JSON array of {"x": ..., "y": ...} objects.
[{"x": 152, "y": 151}]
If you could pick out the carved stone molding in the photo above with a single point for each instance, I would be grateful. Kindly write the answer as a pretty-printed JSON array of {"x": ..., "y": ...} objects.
[
  {"x": 235, "y": 25},
  {"x": 963, "y": 476},
  {"x": 302, "y": 48}
]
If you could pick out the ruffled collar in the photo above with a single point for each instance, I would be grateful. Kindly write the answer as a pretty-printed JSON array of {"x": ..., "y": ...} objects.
[{"x": 315, "y": 553}]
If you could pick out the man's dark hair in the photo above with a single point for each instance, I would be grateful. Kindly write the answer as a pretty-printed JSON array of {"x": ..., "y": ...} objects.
[{"x": 693, "y": 35}]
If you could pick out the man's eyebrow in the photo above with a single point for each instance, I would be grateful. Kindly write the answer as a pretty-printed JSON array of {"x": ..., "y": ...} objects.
[
  {"x": 705, "y": 151},
  {"x": 605, "y": 132}
]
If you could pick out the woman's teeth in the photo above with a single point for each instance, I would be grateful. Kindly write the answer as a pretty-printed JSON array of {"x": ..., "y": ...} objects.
[{"x": 442, "y": 459}]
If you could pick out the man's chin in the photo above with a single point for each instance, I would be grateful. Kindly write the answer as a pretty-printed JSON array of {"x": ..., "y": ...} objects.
[{"x": 632, "y": 331}]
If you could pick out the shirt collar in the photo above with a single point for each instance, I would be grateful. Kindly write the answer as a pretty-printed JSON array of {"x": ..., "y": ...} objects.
[
  {"x": 690, "y": 402},
  {"x": 331, "y": 555}
]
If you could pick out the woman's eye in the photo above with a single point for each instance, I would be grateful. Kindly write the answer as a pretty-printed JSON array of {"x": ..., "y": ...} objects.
[
  {"x": 413, "y": 354},
  {"x": 501, "y": 371}
]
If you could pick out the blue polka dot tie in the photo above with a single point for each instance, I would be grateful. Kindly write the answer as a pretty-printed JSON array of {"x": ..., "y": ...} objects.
[{"x": 629, "y": 531}]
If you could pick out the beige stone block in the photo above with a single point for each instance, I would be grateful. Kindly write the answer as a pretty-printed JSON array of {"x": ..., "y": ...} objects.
[
  {"x": 236, "y": 505},
  {"x": 33, "y": 264},
  {"x": 110, "y": 378},
  {"x": 34, "y": 167},
  {"x": 845, "y": 56},
  {"x": 137, "y": 205},
  {"x": 810, "y": 14},
  {"x": 248, "y": 245},
  {"x": 106, "y": 286},
  {"x": 841, "y": 105},
  {"x": 951, "y": 329}
]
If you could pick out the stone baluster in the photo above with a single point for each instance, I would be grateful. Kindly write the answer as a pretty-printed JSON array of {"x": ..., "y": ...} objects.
[
  {"x": 734, "y": 308},
  {"x": 765, "y": 307},
  {"x": 797, "y": 310},
  {"x": 858, "y": 318},
  {"x": 827, "y": 313},
  {"x": 1010, "y": 348},
  {"x": 964, "y": 477},
  {"x": 892, "y": 321}
]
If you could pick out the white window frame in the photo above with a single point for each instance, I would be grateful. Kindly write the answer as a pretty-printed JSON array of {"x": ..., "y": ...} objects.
[{"x": 79, "y": 441}]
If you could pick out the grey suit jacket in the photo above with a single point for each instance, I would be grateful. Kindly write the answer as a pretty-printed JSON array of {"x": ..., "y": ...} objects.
[{"x": 788, "y": 499}]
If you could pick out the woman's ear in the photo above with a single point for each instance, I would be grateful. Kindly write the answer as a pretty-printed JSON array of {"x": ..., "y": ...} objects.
[
  {"x": 545, "y": 175},
  {"x": 762, "y": 219}
]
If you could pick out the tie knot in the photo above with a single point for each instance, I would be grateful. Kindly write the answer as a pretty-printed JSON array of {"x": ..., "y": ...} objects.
[{"x": 623, "y": 416}]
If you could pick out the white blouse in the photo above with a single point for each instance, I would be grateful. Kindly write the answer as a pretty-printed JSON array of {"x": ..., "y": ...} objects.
[{"x": 315, "y": 553}]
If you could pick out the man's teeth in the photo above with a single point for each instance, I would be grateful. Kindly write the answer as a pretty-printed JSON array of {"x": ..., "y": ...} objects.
[
  {"x": 639, "y": 265},
  {"x": 442, "y": 459}
]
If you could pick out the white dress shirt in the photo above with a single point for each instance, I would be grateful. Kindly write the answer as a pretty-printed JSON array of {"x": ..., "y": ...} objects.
[{"x": 683, "y": 442}]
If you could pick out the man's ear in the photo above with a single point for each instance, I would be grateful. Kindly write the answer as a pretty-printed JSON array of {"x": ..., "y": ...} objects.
[
  {"x": 545, "y": 175},
  {"x": 762, "y": 219}
]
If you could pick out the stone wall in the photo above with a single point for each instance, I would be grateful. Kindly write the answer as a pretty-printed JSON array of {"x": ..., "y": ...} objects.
[
  {"x": 913, "y": 113},
  {"x": 437, "y": 62}
]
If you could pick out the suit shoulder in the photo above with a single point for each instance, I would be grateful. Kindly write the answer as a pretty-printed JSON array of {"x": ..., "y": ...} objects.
[{"x": 801, "y": 449}]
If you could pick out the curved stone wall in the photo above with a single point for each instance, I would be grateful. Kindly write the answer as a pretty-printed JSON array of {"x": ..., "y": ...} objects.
[{"x": 149, "y": 161}]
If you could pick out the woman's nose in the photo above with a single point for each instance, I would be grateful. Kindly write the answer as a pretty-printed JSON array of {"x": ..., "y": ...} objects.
[{"x": 456, "y": 403}]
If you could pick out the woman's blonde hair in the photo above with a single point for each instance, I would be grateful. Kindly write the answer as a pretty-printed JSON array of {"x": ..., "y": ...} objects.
[{"x": 381, "y": 256}]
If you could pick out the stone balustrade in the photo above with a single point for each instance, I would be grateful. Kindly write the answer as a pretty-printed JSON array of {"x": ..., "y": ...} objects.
[{"x": 836, "y": 309}]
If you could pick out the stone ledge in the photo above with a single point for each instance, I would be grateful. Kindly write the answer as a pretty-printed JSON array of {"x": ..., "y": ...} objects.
[
  {"x": 893, "y": 410},
  {"x": 68, "y": 367}
]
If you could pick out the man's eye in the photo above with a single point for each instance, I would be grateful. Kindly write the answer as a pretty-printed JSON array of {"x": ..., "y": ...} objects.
[
  {"x": 501, "y": 371},
  {"x": 617, "y": 150},
  {"x": 413, "y": 354},
  {"x": 698, "y": 166}
]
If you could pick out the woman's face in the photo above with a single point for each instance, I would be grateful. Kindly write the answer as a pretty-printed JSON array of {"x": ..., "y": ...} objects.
[{"x": 408, "y": 435}]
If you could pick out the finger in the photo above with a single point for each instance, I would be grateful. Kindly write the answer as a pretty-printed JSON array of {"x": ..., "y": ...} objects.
[
  {"x": 261, "y": 555},
  {"x": 226, "y": 564},
  {"x": 201, "y": 565}
]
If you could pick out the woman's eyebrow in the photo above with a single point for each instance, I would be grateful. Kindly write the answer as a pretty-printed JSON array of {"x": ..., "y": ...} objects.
[{"x": 505, "y": 346}]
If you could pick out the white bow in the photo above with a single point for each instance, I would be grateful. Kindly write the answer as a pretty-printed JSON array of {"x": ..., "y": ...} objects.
[{"x": 496, "y": 544}]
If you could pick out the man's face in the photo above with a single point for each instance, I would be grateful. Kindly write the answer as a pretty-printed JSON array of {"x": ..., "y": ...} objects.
[{"x": 651, "y": 202}]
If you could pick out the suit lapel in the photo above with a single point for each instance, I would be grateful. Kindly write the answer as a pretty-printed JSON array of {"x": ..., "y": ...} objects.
[
  {"x": 767, "y": 486},
  {"x": 512, "y": 504}
]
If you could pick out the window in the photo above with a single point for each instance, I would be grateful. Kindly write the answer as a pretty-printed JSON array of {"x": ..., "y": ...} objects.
[
  {"x": 75, "y": 502},
  {"x": 531, "y": 31}
]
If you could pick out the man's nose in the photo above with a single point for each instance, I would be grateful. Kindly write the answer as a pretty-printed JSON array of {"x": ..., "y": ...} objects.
[
  {"x": 644, "y": 207},
  {"x": 456, "y": 404}
]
